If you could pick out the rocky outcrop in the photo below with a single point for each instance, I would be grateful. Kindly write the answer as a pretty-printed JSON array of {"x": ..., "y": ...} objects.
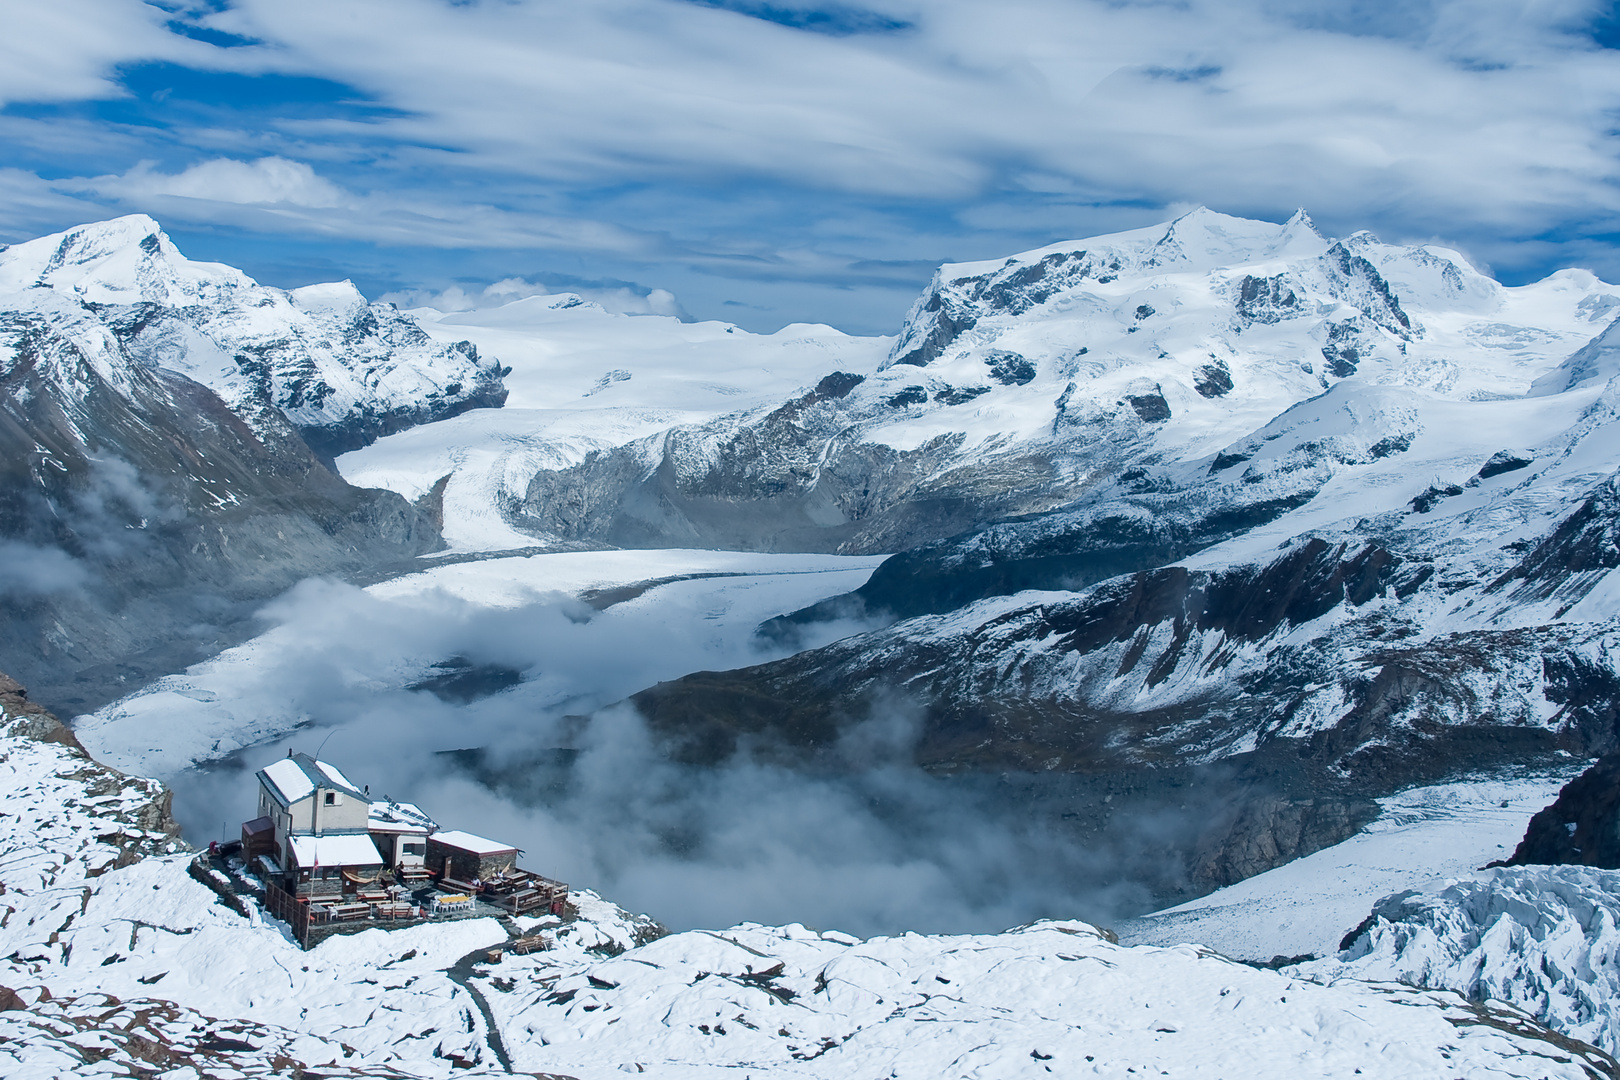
[
  {"x": 1263, "y": 832},
  {"x": 1582, "y": 826},
  {"x": 133, "y": 815}
]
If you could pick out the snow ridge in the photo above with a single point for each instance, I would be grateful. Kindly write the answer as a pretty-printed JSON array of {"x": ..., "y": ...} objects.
[{"x": 341, "y": 370}]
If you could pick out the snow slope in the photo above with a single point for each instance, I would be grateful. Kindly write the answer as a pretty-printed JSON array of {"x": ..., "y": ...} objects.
[
  {"x": 144, "y": 950},
  {"x": 585, "y": 380},
  {"x": 1424, "y": 838}
]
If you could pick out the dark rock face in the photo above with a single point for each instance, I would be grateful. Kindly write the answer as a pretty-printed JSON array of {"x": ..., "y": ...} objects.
[
  {"x": 1367, "y": 287},
  {"x": 1342, "y": 351},
  {"x": 1213, "y": 380},
  {"x": 1267, "y": 300},
  {"x": 1568, "y": 563},
  {"x": 163, "y": 516},
  {"x": 1504, "y": 461},
  {"x": 1258, "y": 834},
  {"x": 950, "y": 308},
  {"x": 944, "y": 328},
  {"x": 1582, "y": 826},
  {"x": 1010, "y": 369},
  {"x": 1427, "y": 499},
  {"x": 1152, "y": 408},
  {"x": 960, "y": 395}
]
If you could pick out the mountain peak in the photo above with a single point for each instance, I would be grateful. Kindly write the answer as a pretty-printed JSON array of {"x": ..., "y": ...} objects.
[{"x": 125, "y": 260}]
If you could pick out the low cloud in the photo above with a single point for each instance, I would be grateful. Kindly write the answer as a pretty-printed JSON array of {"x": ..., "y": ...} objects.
[
  {"x": 28, "y": 570},
  {"x": 623, "y": 299},
  {"x": 855, "y": 837}
]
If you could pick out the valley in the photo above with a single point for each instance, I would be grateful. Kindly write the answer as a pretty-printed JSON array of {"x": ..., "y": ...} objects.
[{"x": 1222, "y": 567}]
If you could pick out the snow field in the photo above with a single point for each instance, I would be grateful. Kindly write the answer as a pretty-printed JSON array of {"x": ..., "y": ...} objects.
[
  {"x": 1423, "y": 838},
  {"x": 1053, "y": 998}
]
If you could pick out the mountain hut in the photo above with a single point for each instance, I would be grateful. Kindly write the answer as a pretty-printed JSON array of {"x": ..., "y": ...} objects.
[{"x": 466, "y": 857}]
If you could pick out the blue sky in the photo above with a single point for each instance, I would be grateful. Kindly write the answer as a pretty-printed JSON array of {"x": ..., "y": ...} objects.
[{"x": 766, "y": 161}]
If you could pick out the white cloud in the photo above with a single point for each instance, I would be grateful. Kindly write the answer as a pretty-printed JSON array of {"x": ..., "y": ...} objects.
[
  {"x": 266, "y": 182},
  {"x": 70, "y": 50},
  {"x": 620, "y": 299},
  {"x": 65, "y": 50},
  {"x": 729, "y": 156},
  {"x": 1210, "y": 103}
]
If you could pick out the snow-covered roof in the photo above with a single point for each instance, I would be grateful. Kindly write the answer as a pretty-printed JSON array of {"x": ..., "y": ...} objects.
[
  {"x": 297, "y": 777},
  {"x": 344, "y": 849},
  {"x": 399, "y": 818},
  {"x": 287, "y": 780},
  {"x": 468, "y": 842},
  {"x": 332, "y": 774}
]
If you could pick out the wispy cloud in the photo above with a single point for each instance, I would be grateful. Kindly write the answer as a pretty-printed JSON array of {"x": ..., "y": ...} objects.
[{"x": 707, "y": 144}]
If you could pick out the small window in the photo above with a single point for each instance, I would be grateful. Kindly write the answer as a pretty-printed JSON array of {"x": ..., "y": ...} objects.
[
  {"x": 331, "y": 798},
  {"x": 416, "y": 849}
]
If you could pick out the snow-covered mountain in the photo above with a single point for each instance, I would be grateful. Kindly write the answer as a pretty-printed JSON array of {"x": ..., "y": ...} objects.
[
  {"x": 583, "y": 382},
  {"x": 1049, "y": 378},
  {"x": 116, "y": 958},
  {"x": 1214, "y": 539},
  {"x": 163, "y": 425},
  {"x": 341, "y": 370},
  {"x": 1333, "y": 575}
]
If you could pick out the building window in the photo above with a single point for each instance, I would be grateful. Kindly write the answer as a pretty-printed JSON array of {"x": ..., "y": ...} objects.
[
  {"x": 416, "y": 849},
  {"x": 331, "y": 798}
]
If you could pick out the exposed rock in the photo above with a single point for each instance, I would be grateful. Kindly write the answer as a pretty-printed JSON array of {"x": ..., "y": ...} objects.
[
  {"x": 144, "y": 806},
  {"x": 1213, "y": 379},
  {"x": 1505, "y": 461},
  {"x": 1582, "y": 826},
  {"x": 1261, "y": 833},
  {"x": 1010, "y": 369},
  {"x": 1267, "y": 300},
  {"x": 959, "y": 395},
  {"x": 1152, "y": 408},
  {"x": 1427, "y": 499}
]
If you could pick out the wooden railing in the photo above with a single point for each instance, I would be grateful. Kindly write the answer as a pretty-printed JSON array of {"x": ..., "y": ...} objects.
[{"x": 290, "y": 910}]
